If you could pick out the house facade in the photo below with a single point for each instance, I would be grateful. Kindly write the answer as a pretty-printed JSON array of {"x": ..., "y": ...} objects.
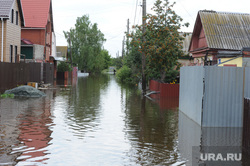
[
  {"x": 218, "y": 36},
  {"x": 11, "y": 20},
  {"x": 39, "y": 25}
]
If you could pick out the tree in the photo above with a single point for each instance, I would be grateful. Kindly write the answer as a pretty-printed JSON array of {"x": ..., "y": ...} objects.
[
  {"x": 107, "y": 58},
  {"x": 163, "y": 43},
  {"x": 86, "y": 45}
]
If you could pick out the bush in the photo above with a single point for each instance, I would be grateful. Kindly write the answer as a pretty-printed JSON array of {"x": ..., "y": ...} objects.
[
  {"x": 63, "y": 66},
  {"x": 124, "y": 75}
]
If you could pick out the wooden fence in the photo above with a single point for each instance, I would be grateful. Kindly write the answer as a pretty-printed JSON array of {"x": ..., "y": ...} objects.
[
  {"x": 246, "y": 126},
  {"x": 14, "y": 74}
]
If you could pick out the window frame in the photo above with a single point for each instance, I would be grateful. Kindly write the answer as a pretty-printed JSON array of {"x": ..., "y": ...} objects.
[
  {"x": 12, "y": 16},
  {"x": 11, "y": 53},
  {"x": 16, "y": 53},
  {"x": 17, "y": 17}
]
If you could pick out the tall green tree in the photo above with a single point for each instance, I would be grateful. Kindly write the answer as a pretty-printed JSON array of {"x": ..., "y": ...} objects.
[
  {"x": 163, "y": 43},
  {"x": 86, "y": 42},
  {"x": 107, "y": 58}
]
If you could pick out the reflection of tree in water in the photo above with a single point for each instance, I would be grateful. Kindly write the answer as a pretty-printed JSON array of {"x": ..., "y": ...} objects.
[
  {"x": 153, "y": 133},
  {"x": 84, "y": 103}
]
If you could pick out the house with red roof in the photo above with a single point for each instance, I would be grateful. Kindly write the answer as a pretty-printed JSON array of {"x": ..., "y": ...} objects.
[
  {"x": 38, "y": 28},
  {"x": 11, "y": 21}
]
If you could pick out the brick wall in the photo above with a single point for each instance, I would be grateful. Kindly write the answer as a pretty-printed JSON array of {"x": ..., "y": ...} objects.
[{"x": 36, "y": 36}]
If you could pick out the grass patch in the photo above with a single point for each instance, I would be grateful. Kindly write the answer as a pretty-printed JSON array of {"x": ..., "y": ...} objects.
[{"x": 7, "y": 95}]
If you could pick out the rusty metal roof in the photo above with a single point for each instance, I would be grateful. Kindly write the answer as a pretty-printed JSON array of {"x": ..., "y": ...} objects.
[
  {"x": 5, "y": 8},
  {"x": 224, "y": 30}
]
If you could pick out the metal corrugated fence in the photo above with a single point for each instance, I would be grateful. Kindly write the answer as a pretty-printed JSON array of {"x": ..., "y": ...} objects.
[
  {"x": 191, "y": 92},
  {"x": 222, "y": 89},
  {"x": 223, "y": 97}
]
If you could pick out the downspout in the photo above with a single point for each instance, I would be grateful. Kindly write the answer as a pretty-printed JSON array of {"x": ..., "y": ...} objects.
[{"x": 2, "y": 40}]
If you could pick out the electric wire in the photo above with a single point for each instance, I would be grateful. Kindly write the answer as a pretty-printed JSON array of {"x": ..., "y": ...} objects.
[
  {"x": 135, "y": 11},
  {"x": 185, "y": 10}
]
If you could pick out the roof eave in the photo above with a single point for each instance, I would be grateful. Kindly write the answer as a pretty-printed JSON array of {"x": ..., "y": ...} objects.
[
  {"x": 21, "y": 12},
  {"x": 33, "y": 28},
  {"x": 194, "y": 30}
]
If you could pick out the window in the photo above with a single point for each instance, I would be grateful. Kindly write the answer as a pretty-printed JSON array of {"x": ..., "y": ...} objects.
[
  {"x": 16, "y": 17},
  {"x": 11, "y": 53},
  {"x": 12, "y": 16},
  {"x": 15, "y": 54}
]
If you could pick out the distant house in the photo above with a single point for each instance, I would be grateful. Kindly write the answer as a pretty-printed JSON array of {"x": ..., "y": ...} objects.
[
  {"x": 11, "y": 20},
  {"x": 62, "y": 52},
  {"x": 218, "y": 36},
  {"x": 39, "y": 27},
  {"x": 186, "y": 59}
]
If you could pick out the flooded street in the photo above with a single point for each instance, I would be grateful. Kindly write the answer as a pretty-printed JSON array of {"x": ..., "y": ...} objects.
[
  {"x": 100, "y": 122},
  {"x": 96, "y": 122}
]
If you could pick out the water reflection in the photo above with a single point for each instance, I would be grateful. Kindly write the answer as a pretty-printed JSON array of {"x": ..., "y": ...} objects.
[
  {"x": 84, "y": 104},
  {"x": 151, "y": 132},
  {"x": 193, "y": 138},
  {"x": 165, "y": 102},
  {"x": 25, "y": 131}
]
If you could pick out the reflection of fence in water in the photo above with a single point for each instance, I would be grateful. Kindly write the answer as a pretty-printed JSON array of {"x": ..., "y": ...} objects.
[{"x": 166, "y": 95}]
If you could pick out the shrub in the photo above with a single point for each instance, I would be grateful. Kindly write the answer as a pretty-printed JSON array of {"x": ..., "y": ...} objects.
[
  {"x": 124, "y": 75},
  {"x": 63, "y": 66}
]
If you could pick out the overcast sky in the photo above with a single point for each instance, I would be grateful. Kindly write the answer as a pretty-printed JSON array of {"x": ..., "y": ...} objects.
[{"x": 111, "y": 15}]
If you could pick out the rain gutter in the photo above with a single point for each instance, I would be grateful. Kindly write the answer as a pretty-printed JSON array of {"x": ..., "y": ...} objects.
[{"x": 2, "y": 39}]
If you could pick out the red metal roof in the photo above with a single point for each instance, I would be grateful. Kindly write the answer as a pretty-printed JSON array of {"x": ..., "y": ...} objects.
[
  {"x": 26, "y": 41},
  {"x": 35, "y": 13}
]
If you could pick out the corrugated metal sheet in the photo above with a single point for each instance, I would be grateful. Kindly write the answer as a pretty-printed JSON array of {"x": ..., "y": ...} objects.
[
  {"x": 5, "y": 7},
  {"x": 36, "y": 12},
  {"x": 222, "y": 103},
  {"x": 223, "y": 97},
  {"x": 226, "y": 30},
  {"x": 191, "y": 92},
  {"x": 221, "y": 136}
]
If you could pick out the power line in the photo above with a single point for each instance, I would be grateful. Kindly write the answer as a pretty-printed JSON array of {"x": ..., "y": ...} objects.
[
  {"x": 135, "y": 10},
  {"x": 186, "y": 10},
  {"x": 139, "y": 17}
]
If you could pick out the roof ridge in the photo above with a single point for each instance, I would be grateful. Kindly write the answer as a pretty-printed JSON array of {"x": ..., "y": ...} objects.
[{"x": 222, "y": 12}]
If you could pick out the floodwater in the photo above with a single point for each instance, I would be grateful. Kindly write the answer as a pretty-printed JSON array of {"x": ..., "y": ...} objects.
[{"x": 100, "y": 122}]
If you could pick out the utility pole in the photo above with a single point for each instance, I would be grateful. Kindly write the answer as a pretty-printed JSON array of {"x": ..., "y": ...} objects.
[
  {"x": 143, "y": 58},
  {"x": 123, "y": 46},
  {"x": 127, "y": 36},
  {"x": 71, "y": 63}
]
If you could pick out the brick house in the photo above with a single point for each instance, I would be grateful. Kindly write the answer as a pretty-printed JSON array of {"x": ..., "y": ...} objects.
[
  {"x": 11, "y": 20},
  {"x": 218, "y": 36},
  {"x": 39, "y": 25}
]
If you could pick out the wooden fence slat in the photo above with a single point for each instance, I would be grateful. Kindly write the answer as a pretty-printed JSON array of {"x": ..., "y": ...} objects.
[{"x": 13, "y": 74}]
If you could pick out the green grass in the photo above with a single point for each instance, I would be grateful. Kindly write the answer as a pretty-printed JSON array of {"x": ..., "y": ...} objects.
[{"x": 7, "y": 95}]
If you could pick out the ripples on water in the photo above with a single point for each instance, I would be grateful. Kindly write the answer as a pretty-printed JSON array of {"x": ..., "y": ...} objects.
[{"x": 98, "y": 122}]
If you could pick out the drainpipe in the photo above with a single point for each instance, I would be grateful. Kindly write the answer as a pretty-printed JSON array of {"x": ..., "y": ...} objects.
[{"x": 2, "y": 40}]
